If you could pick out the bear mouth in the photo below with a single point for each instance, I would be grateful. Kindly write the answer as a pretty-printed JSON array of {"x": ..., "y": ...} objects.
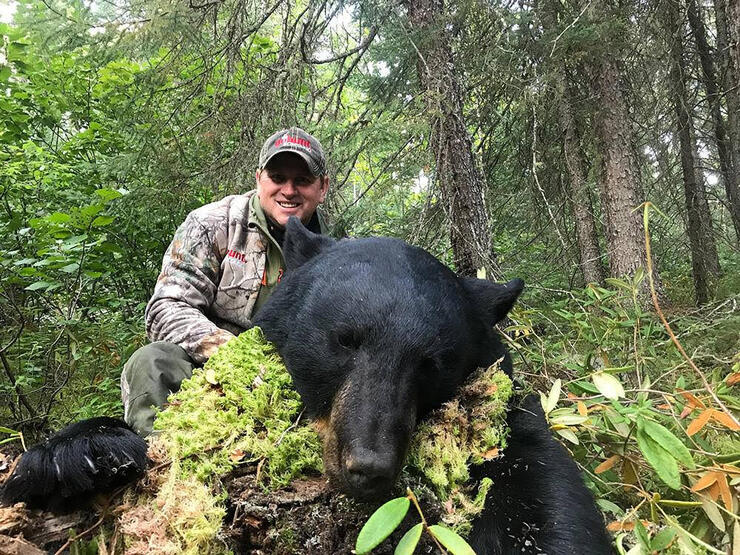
[{"x": 361, "y": 474}]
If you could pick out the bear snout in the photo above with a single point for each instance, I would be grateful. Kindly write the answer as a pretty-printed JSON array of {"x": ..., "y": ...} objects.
[{"x": 369, "y": 473}]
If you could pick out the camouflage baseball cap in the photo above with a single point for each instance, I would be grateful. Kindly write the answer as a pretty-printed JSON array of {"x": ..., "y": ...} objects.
[{"x": 298, "y": 141}]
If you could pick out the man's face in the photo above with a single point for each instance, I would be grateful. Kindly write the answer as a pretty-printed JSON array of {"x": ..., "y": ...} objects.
[{"x": 287, "y": 188}]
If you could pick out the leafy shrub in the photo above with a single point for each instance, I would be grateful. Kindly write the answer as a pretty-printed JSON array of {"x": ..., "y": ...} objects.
[{"x": 654, "y": 442}]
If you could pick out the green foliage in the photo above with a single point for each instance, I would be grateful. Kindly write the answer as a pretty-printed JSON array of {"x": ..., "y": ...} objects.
[
  {"x": 409, "y": 541},
  {"x": 389, "y": 516},
  {"x": 381, "y": 524},
  {"x": 653, "y": 441},
  {"x": 12, "y": 435}
]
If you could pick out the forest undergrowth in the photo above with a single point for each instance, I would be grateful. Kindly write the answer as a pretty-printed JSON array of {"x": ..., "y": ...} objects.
[{"x": 656, "y": 445}]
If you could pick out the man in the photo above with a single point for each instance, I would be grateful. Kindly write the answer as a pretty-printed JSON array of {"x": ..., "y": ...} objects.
[{"x": 221, "y": 266}]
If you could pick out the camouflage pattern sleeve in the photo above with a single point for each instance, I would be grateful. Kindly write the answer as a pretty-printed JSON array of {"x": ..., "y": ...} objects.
[{"x": 187, "y": 285}]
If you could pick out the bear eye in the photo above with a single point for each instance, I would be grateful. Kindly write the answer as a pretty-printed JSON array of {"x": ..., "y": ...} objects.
[{"x": 349, "y": 338}]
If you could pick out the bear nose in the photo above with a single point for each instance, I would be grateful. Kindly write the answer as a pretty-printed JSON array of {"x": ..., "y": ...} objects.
[{"x": 368, "y": 472}]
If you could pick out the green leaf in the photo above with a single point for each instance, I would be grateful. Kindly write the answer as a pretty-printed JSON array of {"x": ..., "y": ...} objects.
[
  {"x": 4, "y": 430},
  {"x": 4, "y": 73},
  {"x": 107, "y": 194},
  {"x": 553, "y": 396},
  {"x": 409, "y": 541},
  {"x": 584, "y": 386},
  {"x": 638, "y": 277},
  {"x": 660, "y": 459},
  {"x": 58, "y": 218},
  {"x": 454, "y": 543},
  {"x": 24, "y": 261},
  {"x": 91, "y": 210},
  {"x": 381, "y": 524},
  {"x": 608, "y": 385},
  {"x": 568, "y": 434},
  {"x": 667, "y": 440},
  {"x": 642, "y": 534},
  {"x": 610, "y": 507},
  {"x": 569, "y": 419},
  {"x": 614, "y": 282},
  {"x": 663, "y": 539},
  {"x": 38, "y": 285},
  {"x": 101, "y": 221},
  {"x": 70, "y": 268}
]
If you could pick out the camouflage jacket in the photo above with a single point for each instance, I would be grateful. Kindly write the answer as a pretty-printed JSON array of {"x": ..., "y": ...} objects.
[{"x": 219, "y": 268}]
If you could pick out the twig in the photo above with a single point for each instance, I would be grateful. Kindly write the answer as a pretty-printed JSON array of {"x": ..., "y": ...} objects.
[
  {"x": 410, "y": 495},
  {"x": 362, "y": 46},
  {"x": 654, "y": 296},
  {"x": 555, "y": 42}
]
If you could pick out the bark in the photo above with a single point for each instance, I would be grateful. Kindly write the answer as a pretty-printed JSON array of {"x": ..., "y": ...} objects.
[
  {"x": 727, "y": 13},
  {"x": 704, "y": 259},
  {"x": 619, "y": 182},
  {"x": 460, "y": 183},
  {"x": 618, "y": 185},
  {"x": 588, "y": 243}
]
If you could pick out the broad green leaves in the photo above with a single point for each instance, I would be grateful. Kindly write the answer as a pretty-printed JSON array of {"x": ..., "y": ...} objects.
[
  {"x": 386, "y": 519},
  {"x": 662, "y": 450},
  {"x": 381, "y": 524},
  {"x": 609, "y": 386},
  {"x": 454, "y": 543},
  {"x": 409, "y": 541}
]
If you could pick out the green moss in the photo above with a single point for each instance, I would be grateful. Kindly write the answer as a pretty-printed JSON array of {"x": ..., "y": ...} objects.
[
  {"x": 241, "y": 407},
  {"x": 469, "y": 429}
]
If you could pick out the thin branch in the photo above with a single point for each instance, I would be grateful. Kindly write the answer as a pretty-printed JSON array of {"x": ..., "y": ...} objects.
[
  {"x": 654, "y": 295},
  {"x": 360, "y": 47}
]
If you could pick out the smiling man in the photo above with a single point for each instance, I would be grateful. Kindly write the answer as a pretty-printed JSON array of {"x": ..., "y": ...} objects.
[{"x": 221, "y": 266}]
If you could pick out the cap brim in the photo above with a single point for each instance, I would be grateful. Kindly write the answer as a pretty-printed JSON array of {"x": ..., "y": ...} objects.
[{"x": 312, "y": 166}]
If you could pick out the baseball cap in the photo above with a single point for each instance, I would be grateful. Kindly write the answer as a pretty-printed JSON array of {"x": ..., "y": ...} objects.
[{"x": 296, "y": 140}]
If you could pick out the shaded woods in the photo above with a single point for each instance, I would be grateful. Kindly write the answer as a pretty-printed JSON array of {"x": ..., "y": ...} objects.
[{"x": 519, "y": 137}]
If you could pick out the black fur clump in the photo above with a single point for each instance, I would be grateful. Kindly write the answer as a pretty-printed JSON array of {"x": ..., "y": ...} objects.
[{"x": 84, "y": 459}]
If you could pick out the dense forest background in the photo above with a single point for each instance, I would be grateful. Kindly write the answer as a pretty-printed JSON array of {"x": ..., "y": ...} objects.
[{"x": 523, "y": 138}]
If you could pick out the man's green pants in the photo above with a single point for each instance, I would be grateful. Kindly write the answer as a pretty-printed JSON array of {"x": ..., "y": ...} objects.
[{"x": 151, "y": 374}]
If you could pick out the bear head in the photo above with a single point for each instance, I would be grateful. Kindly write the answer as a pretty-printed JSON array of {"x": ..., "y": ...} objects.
[{"x": 375, "y": 333}]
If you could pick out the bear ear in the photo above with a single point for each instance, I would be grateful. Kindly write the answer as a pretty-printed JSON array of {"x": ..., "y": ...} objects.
[
  {"x": 301, "y": 245},
  {"x": 493, "y": 300}
]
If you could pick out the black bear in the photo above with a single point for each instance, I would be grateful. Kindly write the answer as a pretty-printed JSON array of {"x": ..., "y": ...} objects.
[{"x": 375, "y": 333}]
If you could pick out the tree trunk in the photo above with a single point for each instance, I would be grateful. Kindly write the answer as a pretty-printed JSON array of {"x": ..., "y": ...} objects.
[
  {"x": 704, "y": 259},
  {"x": 588, "y": 243},
  {"x": 727, "y": 13},
  {"x": 619, "y": 184},
  {"x": 709, "y": 75},
  {"x": 460, "y": 183}
]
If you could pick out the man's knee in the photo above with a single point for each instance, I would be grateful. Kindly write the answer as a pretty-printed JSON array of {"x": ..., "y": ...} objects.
[{"x": 150, "y": 375}]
